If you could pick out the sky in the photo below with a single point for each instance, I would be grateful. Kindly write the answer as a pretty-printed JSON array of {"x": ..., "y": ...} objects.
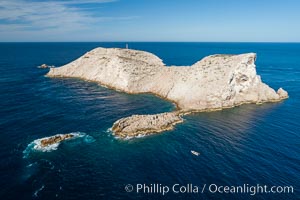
[{"x": 150, "y": 20}]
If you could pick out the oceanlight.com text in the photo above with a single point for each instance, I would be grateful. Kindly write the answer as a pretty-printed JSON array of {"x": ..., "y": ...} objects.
[{"x": 190, "y": 188}]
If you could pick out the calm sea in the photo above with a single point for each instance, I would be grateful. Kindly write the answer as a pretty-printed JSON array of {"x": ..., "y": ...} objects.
[{"x": 250, "y": 144}]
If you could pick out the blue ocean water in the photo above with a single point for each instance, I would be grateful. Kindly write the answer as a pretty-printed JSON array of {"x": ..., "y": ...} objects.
[{"x": 250, "y": 144}]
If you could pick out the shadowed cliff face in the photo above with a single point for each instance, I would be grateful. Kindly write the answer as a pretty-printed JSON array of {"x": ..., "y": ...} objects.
[{"x": 215, "y": 82}]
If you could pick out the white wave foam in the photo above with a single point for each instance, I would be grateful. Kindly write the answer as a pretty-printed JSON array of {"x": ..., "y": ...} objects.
[
  {"x": 140, "y": 135},
  {"x": 31, "y": 164},
  {"x": 35, "y": 194},
  {"x": 89, "y": 139},
  {"x": 127, "y": 138},
  {"x": 109, "y": 130}
]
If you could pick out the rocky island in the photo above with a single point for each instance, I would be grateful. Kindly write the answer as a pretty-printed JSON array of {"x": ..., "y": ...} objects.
[
  {"x": 136, "y": 125},
  {"x": 52, "y": 142},
  {"x": 213, "y": 83},
  {"x": 55, "y": 139}
]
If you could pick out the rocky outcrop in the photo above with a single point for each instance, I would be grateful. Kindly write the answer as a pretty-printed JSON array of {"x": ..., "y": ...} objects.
[
  {"x": 215, "y": 82},
  {"x": 282, "y": 93},
  {"x": 51, "y": 143},
  {"x": 44, "y": 66},
  {"x": 55, "y": 139},
  {"x": 139, "y": 125}
]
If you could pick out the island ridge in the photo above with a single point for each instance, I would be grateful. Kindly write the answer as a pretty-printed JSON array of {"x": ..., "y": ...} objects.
[{"x": 213, "y": 83}]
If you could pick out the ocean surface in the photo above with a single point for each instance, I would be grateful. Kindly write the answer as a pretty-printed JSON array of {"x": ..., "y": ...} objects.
[{"x": 250, "y": 144}]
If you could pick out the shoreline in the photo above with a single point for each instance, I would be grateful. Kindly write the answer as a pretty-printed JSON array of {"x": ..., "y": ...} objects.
[{"x": 180, "y": 112}]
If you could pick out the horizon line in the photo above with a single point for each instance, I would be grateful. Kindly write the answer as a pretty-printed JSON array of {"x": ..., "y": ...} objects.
[{"x": 149, "y": 42}]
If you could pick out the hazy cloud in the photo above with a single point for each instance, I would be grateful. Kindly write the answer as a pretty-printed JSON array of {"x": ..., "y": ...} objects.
[{"x": 39, "y": 16}]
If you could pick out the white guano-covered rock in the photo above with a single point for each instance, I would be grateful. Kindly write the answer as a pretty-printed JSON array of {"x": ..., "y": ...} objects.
[{"x": 215, "y": 82}]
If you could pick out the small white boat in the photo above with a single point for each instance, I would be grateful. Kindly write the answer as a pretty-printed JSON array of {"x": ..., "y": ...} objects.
[{"x": 195, "y": 153}]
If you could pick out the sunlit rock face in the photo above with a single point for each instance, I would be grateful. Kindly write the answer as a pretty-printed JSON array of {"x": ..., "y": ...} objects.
[
  {"x": 140, "y": 125},
  {"x": 215, "y": 82}
]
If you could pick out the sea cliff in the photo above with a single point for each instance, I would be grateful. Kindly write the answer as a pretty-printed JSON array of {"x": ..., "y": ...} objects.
[{"x": 213, "y": 83}]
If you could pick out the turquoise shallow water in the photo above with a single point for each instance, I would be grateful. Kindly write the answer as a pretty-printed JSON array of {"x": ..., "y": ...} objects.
[{"x": 250, "y": 144}]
